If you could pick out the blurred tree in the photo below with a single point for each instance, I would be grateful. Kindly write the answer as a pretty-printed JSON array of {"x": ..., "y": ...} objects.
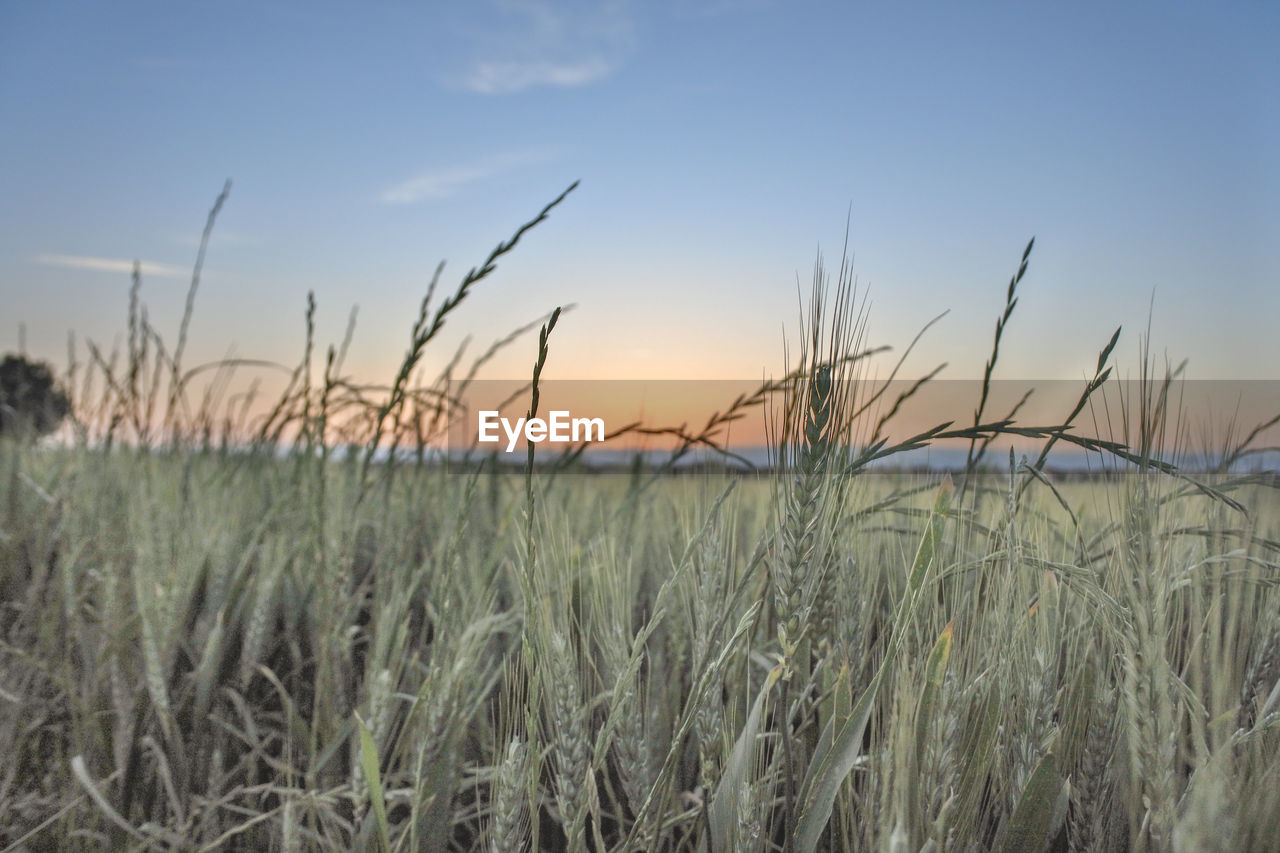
[{"x": 31, "y": 404}]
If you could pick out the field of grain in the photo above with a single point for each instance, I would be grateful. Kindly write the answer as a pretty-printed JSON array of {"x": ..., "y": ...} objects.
[{"x": 303, "y": 642}]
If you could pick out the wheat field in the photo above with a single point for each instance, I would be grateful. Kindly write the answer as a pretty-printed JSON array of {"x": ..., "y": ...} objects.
[{"x": 300, "y": 632}]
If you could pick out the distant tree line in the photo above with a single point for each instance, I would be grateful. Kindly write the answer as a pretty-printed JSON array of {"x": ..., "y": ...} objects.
[{"x": 31, "y": 403}]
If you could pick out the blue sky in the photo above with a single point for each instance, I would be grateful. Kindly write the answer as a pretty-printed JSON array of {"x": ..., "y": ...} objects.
[{"x": 719, "y": 144}]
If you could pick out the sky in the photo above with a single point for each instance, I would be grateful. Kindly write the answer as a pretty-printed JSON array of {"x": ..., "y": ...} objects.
[{"x": 721, "y": 146}]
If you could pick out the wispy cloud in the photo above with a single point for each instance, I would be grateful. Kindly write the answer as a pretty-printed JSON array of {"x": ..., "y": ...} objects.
[
  {"x": 439, "y": 183},
  {"x": 535, "y": 43},
  {"x": 112, "y": 265},
  {"x": 501, "y": 78}
]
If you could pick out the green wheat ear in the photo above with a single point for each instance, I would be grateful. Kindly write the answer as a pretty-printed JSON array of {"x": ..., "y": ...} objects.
[{"x": 819, "y": 411}]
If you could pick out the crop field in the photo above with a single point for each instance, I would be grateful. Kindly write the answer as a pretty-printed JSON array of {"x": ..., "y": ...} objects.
[{"x": 316, "y": 638}]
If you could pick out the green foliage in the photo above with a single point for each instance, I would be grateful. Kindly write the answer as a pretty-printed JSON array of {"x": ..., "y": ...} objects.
[{"x": 373, "y": 778}]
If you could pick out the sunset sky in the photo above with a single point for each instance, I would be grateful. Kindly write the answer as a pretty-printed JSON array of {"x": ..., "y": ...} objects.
[{"x": 719, "y": 144}]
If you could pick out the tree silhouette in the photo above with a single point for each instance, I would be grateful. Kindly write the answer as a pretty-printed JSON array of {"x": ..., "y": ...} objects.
[{"x": 31, "y": 404}]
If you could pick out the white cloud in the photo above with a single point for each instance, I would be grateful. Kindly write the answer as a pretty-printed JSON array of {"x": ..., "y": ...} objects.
[
  {"x": 112, "y": 265},
  {"x": 502, "y": 78},
  {"x": 565, "y": 44},
  {"x": 439, "y": 183}
]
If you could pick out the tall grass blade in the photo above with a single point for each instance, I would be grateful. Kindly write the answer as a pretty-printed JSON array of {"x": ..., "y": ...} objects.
[
  {"x": 837, "y": 751},
  {"x": 1039, "y": 807},
  {"x": 724, "y": 816},
  {"x": 373, "y": 778}
]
